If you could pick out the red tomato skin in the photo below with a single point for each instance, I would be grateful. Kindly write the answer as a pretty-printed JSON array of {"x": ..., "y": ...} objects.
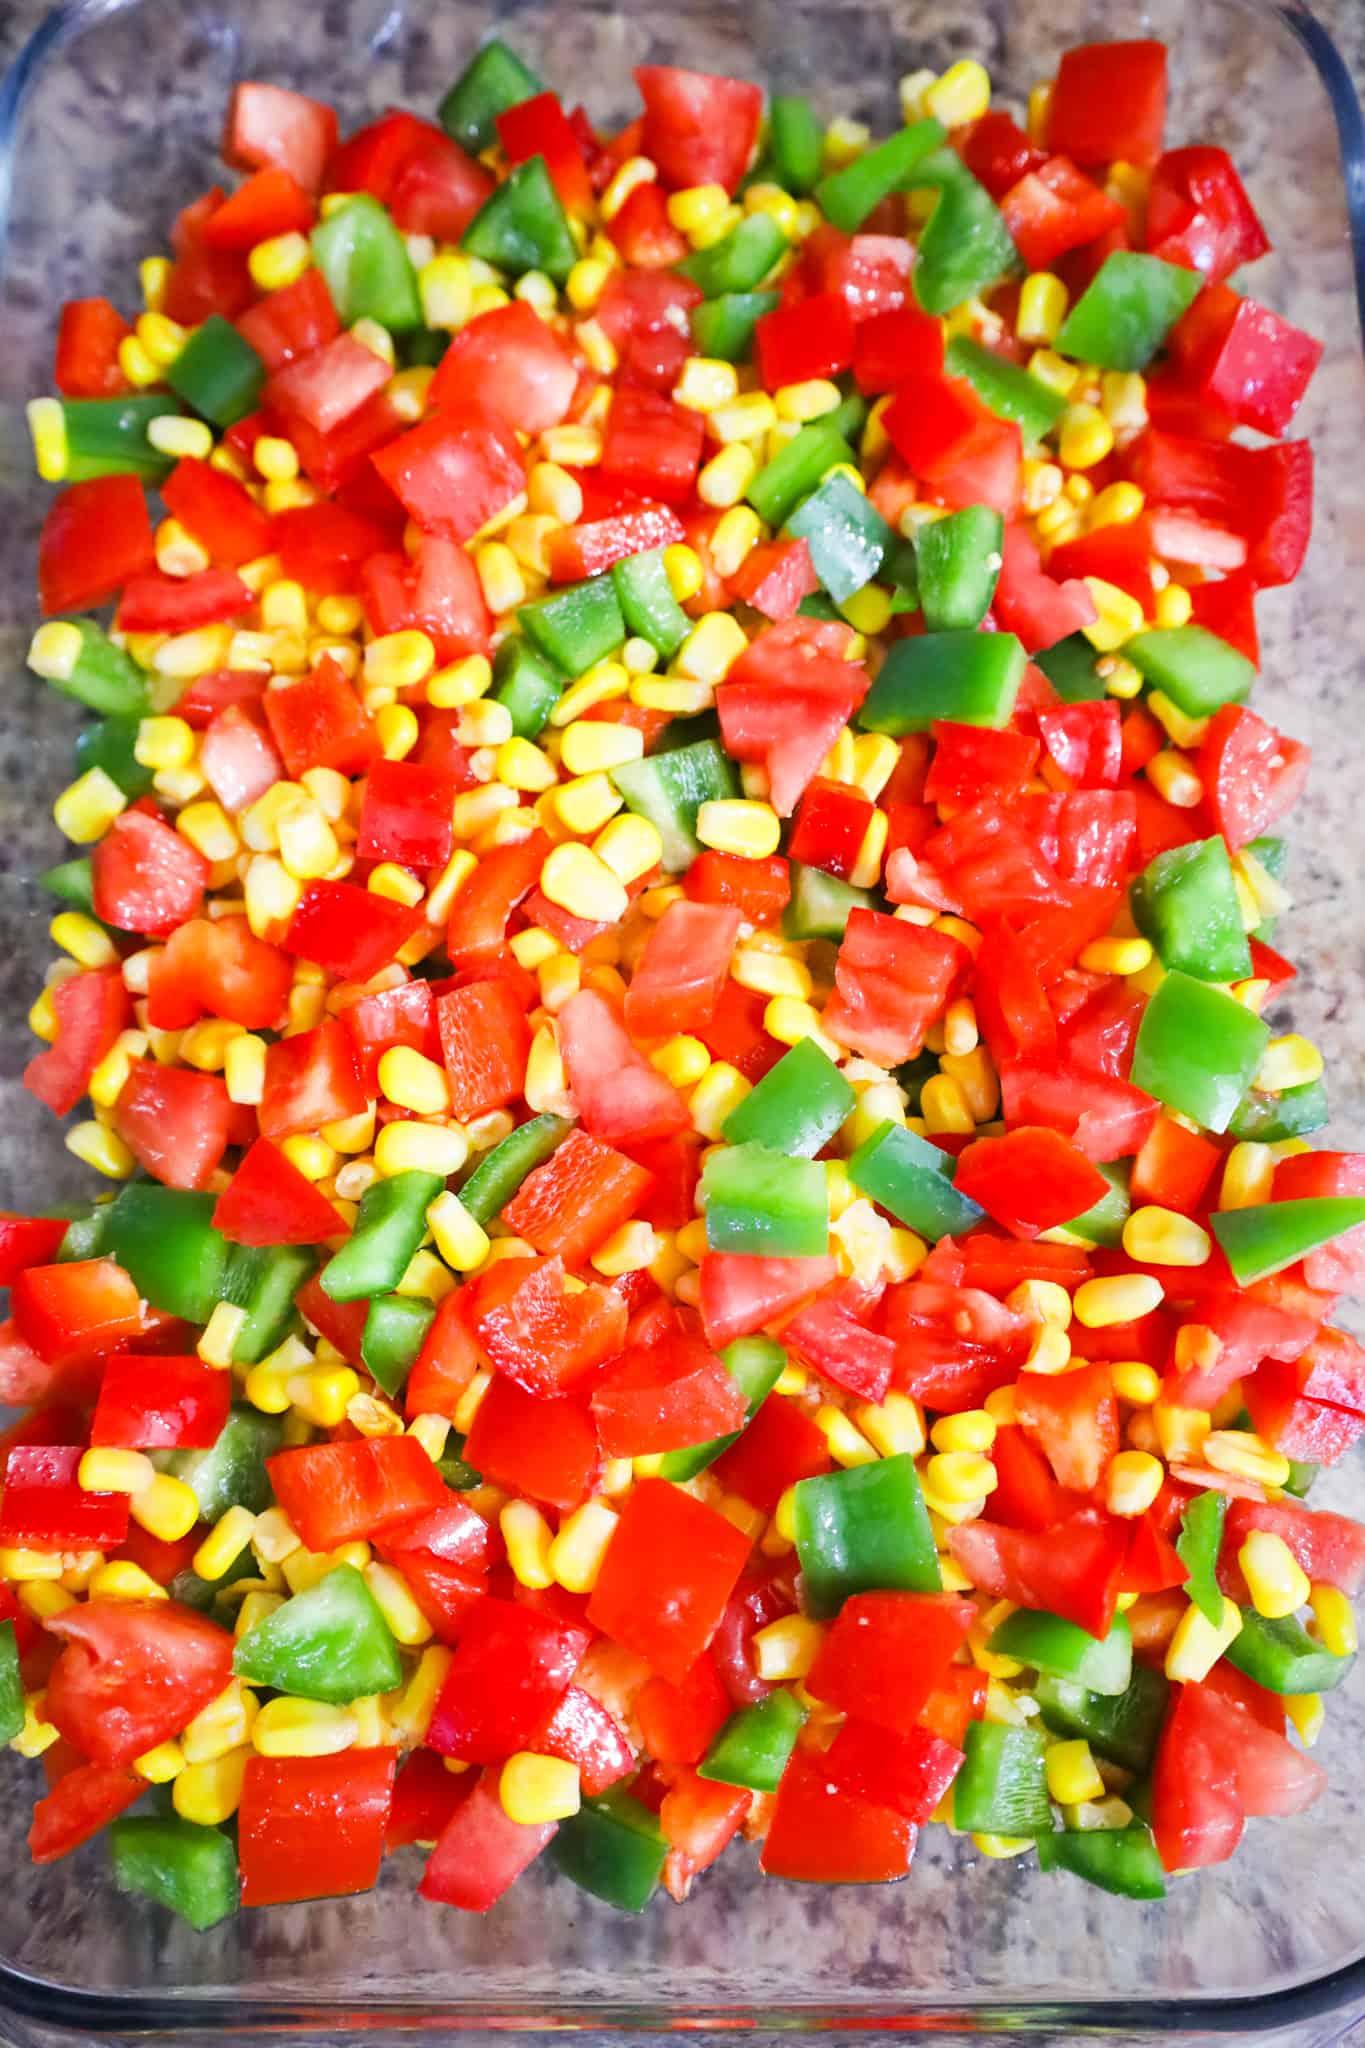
[
  {"x": 583, "y": 1192},
  {"x": 350, "y": 1492},
  {"x": 82, "y": 1801},
  {"x": 132, "y": 1673},
  {"x": 619, "y": 1094},
  {"x": 95, "y": 537},
  {"x": 481, "y": 1853},
  {"x": 91, "y": 1010},
  {"x": 667, "y": 1575},
  {"x": 160, "y": 1403},
  {"x": 699, "y": 129},
  {"x": 512, "y": 364},
  {"x": 146, "y": 878},
  {"x": 509, "y": 1672},
  {"x": 542, "y": 1446},
  {"x": 840, "y": 1839}
]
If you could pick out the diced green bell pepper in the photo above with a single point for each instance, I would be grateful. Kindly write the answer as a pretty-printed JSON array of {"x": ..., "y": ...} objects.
[
  {"x": 970, "y": 677},
  {"x": 796, "y": 469},
  {"x": 456, "y": 1470},
  {"x": 1185, "y": 902},
  {"x": 1272, "y": 1235},
  {"x": 820, "y": 904},
  {"x": 164, "y": 1237},
  {"x": 522, "y": 226},
  {"x": 1102, "y": 1223},
  {"x": 965, "y": 246},
  {"x": 1012, "y": 393},
  {"x": 958, "y": 563},
  {"x": 739, "y": 261},
  {"x": 913, "y": 1179},
  {"x": 366, "y": 267},
  {"x": 1193, "y": 667},
  {"x": 863, "y": 1530},
  {"x": 723, "y": 328},
  {"x": 73, "y": 882},
  {"x": 189, "y": 1869},
  {"x": 493, "y": 80},
  {"x": 754, "y": 1745},
  {"x": 1293, "y": 1113},
  {"x": 576, "y": 626},
  {"x": 108, "y": 437},
  {"x": 329, "y": 1642},
  {"x": 11, "y": 1684},
  {"x": 1273, "y": 854},
  {"x": 421, "y": 349},
  {"x": 528, "y": 683},
  {"x": 1119, "y": 1860},
  {"x": 1196, "y": 1050},
  {"x": 1127, "y": 310},
  {"x": 193, "y": 1591},
  {"x": 1197, "y": 1547},
  {"x": 848, "y": 196},
  {"x": 1302, "y": 1473},
  {"x": 1051, "y": 1643},
  {"x": 648, "y": 606},
  {"x": 218, "y": 373},
  {"x": 97, "y": 674},
  {"x": 500, "y": 1173},
  {"x": 263, "y": 1280},
  {"x": 1002, "y": 1786},
  {"x": 1283, "y": 1657},
  {"x": 819, "y": 606},
  {"x": 847, "y": 537},
  {"x": 1070, "y": 667},
  {"x": 755, "y": 1365},
  {"x": 764, "y": 1203},
  {"x": 614, "y": 1848},
  {"x": 901, "y": 571},
  {"x": 669, "y": 789},
  {"x": 389, "y": 1228},
  {"x": 87, "y": 1236},
  {"x": 394, "y": 1332},
  {"x": 231, "y": 1473},
  {"x": 796, "y": 1107},
  {"x": 795, "y": 142},
  {"x": 109, "y": 745},
  {"x": 1124, "y": 1728}
]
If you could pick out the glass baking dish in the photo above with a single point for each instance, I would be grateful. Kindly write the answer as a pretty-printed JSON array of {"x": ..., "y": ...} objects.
[{"x": 108, "y": 122}]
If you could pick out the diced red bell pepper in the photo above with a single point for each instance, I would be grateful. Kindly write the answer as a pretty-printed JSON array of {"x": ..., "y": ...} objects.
[
  {"x": 204, "y": 280},
  {"x": 646, "y": 239},
  {"x": 1073, "y": 1569},
  {"x": 759, "y": 890},
  {"x": 909, "y": 1772},
  {"x": 405, "y": 816},
  {"x": 1073, "y": 1418},
  {"x": 27, "y": 1241},
  {"x": 513, "y": 365},
  {"x": 698, "y": 1818},
  {"x": 1118, "y": 554},
  {"x": 1026, "y": 1495},
  {"x": 479, "y": 914},
  {"x": 542, "y": 1447},
  {"x": 1244, "y": 360},
  {"x": 997, "y": 152},
  {"x": 890, "y": 346},
  {"x": 80, "y": 1803},
  {"x": 1054, "y": 208},
  {"x": 590, "y": 549},
  {"x": 699, "y": 129},
  {"x": 537, "y": 1331},
  {"x": 663, "y": 1398},
  {"x": 445, "y": 1365},
  {"x": 268, "y": 124},
  {"x": 618, "y": 1093},
  {"x": 540, "y": 127},
  {"x": 455, "y": 471},
  {"x": 1108, "y": 101},
  {"x": 892, "y": 980},
  {"x": 814, "y": 339},
  {"x": 583, "y": 1732},
  {"x": 153, "y": 603},
  {"x": 740, "y": 1293},
  {"x": 425, "y": 1795},
  {"x": 1104, "y": 1118},
  {"x": 872, "y": 272},
  {"x": 145, "y": 877},
  {"x": 43, "y": 1507},
  {"x": 737, "y": 1034},
  {"x": 271, "y": 202},
  {"x": 682, "y": 970},
  {"x": 160, "y": 1403},
  {"x": 349, "y": 1492},
  {"x": 77, "y": 1311},
  {"x": 833, "y": 1342},
  {"x": 313, "y": 1827},
  {"x": 668, "y": 1572},
  {"x": 511, "y": 1668},
  {"x": 217, "y": 510},
  {"x": 822, "y": 1834},
  {"x": 268, "y": 1201},
  {"x": 972, "y": 761},
  {"x": 830, "y": 824},
  {"x": 481, "y": 1853},
  {"x": 91, "y": 1009},
  {"x": 311, "y": 1079},
  {"x": 292, "y": 322},
  {"x": 89, "y": 333},
  {"x": 652, "y": 446},
  {"x": 954, "y": 443},
  {"x": 175, "y": 1121},
  {"x": 780, "y": 1446},
  {"x": 405, "y": 1015},
  {"x": 1174, "y": 1166},
  {"x": 1030, "y": 1180},
  {"x": 349, "y": 931},
  {"x": 583, "y": 1192},
  {"x": 95, "y": 537},
  {"x": 886, "y": 1652},
  {"x": 318, "y": 723},
  {"x": 484, "y": 1042},
  {"x": 678, "y": 1721},
  {"x": 1198, "y": 213}
]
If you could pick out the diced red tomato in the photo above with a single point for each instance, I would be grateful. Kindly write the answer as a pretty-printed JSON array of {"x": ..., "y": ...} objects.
[
  {"x": 175, "y": 1121},
  {"x": 455, "y": 471},
  {"x": 150, "y": 1404},
  {"x": 1198, "y": 213},
  {"x": 89, "y": 333},
  {"x": 540, "y": 127},
  {"x": 1109, "y": 100},
  {"x": 91, "y": 1009},
  {"x": 618, "y": 1093},
  {"x": 663, "y": 1398},
  {"x": 540, "y": 1446},
  {"x": 740, "y": 1293},
  {"x": 310, "y": 1080},
  {"x": 1072, "y": 1569},
  {"x": 652, "y": 446},
  {"x": 481, "y": 1853},
  {"x": 680, "y": 974},
  {"x": 698, "y": 1818},
  {"x": 96, "y": 536},
  {"x": 313, "y": 1826},
  {"x": 823, "y": 1834},
  {"x": 891, "y": 982},
  {"x": 81, "y": 1802},
  {"x": 217, "y": 510},
  {"x": 268, "y": 124},
  {"x": 132, "y": 1673},
  {"x": 513, "y": 364},
  {"x": 268, "y": 1201},
  {"x": 146, "y": 878},
  {"x": 699, "y": 129},
  {"x": 292, "y": 322}
]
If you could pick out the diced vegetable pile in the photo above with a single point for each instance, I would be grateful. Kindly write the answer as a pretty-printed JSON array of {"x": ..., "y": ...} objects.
[{"x": 673, "y": 899}]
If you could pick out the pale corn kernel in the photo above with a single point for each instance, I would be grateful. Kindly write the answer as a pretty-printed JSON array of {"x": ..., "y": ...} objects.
[
  {"x": 1172, "y": 777},
  {"x": 867, "y": 868},
  {"x": 271, "y": 895},
  {"x": 546, "y": 1086},
  {"x": 1072, "y": 1773},
  {"x": 446, "y": 289},
  {"x": 1119, "y": 615},
  {"x": 1123, "y": 400},
  {"x": 903, "y": 1256},
  {"x": 751, "y": 830},
  {"x": 806, "y": 401},
  {"x": 723, "y": 481},
  {"x": 467, "y": 1407},
  {"x": 682, "y": 566},
  {"x": 720, "y": 1091},
  {"x": 405, "y": 1620},
  {"x": 296, "y": 1727},
  {"x": 205, "y": 1045},
  {"x": 137, "y": 364},
  {"x": 1183, "y": 731},
  {"x": 425, "y": 1278},
  {"x": 583, "y": 807},
  {"x": 893, "y": 1425},
  {"x": 499, "y": 572},
  {"x": 1243, "y": 1454},
  {"x": 714, "y": 643},
  {"x": 847, "y": 1444},
  {"x": 1042, "y": 484},
  {"x": 770, "y": 974},
  {"x": 1163, "y": 1237},
  {"x": 1306, "y": 1711},
  {"x": 225, "y": 1542},
  {"x": 244, "y": 1069},
  {"x": 960, "y": 1476},
  {"x": 676, "y": 695},
  {"x": 704, "y": 383},
  {"x": 603, "y": 683},
  {"x": 459, "y": 1238},
  {"x": 1055, "y": 371},
  {"x": 308, "y": 845},
  {"x": 187, "y": 655},
  {"x": 944, "y": 1107},
  {"x": 154, "y": 274},
  {"x": 538, "y": 291},
  {"x": 578, "y": 881},
  {"x": 432, "y": 1433},
  {"x": 166, "y": 1508},
  {"x": 178, "y": 553},
  {"x": 37, "y": 1733},
  {"x": 1049, "y": 1350},
  {"x": 1135, "y": 1382},
  {"x": 288, "y": 494},
  {"x": 87, "y": 808},
  {"x": 1291, "y": 1061},
  {"x": 971, "y": 1429},
  {"x": 220, "y": 1334},
  {"x": 397, "y": 885},
  {"x": 787, "y": 1648},
  {"x": 1117, "y": 1298},
  {"x": 745, "y": 419},
  {"x": 1180, "y": 1432},
  {"x": 1198, "y": 1643},
  {"x": 83, "y": 938},
  {"x": 580, "y": 447},
  {"x": 736, "y": 534},
  {"x": 1045, "y": 1301},
  {"x": 962, "y": 94},
  {"x": 789, "y": 1020},
  {"x": 1042, "y": 308},
  {"x": 19, "y": 1566},
  {"x": 114, "y": 1471},
  {"x": 1276, "y": 1580},
  {"x": 1133, "y": 1481}
]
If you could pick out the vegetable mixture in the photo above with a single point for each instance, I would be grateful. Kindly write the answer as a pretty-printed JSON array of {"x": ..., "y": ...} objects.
[{"x": 672, "y": 899}]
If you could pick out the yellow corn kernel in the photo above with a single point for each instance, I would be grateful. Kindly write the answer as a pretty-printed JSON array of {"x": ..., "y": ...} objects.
[
  {"x": 223, "y": 1725},
  {"x": 629, "y": 846},
  {"x": 786, "y": 1648},
  {"x": 160, "y": 1765},
  {"x": 962, "y": 94},
  {"x": 699, "y": 212},
  {"x": 1183, "y": 731},
  {"x": 1123, "y": 400},
  {"x": 1116, "y": 956},
  {"x": 210, "y": 1793},
  {"x": 1181, "y": 1432},
  {"x": 108, "y": 1471},
  {"x": 1242, "y": 1453},
  {"x": 578, "y": 881},
  {"x": 42, "y": 1022},
  {"x": 224, "y": 1543},
  {"x": 536, "y": 1789},
  {"x": 42, "y": 1598},
  {"x": 398, "y": 730},
  {"x": 308, "y": 845},
  {"x": 410, "y": 1711},
  {"x": 462, "y": 1242},
  {"x": 278, "y": 261},
  {"x": 1334, "y": 1620},
  {"x": 1049, "y": 1350},
  {"x": 1118, "y": 1298},
  {"x": 1162, "y": 1237},
  {"x": 1072, "y": 1773},
  {"x": 244, "y": 1069},
  {"x": 164, "y": 742},
  {"x": 97, "y": 1146},
  {"x": 579, "y": 446},
  {"x": 47, "y": 426},
  {"x": 746, "y": 418},
  {"x": 414, "y": 1082},
  {"x": 893, "y": 1425},
  {"x": 807, "y": 401},
  {"x": 560, "y": 976},
  {"x": 944, "y": 1107},
  {"x": 577, "y": 1551},
  {"x": 295, "y": 1727},
  {"x": 789, "y": 1020},
  {"x": 1116, "y": 505},
  {"x": 527, "y": 1535},
  {"x": 735, "y": 534},
  {"x": 166, "y": 1508},
  {"x": 209, "y": 830},
  {"x": 960, "y": 1476},
  {"x": 720, "y": 1091},
  {"x": 632, "y": 1248},
  {"x": 682, "y": 1060},
  {"x": 1198, "y": 1643},
  {"x": 521, "y": 765},
  {"x": 1171, "y": 775},
  {"x": 704, "y": 383},
  {"x": 1288, "y": 1062},
  {"x": 1133, "y": 1482},
  {"x": 1045, "y": 1301},
  {"x": 19, "y": 1566},
  {"x": 583, "y": 807},
  {"x": 714, "y": 643},
  {"x": 88, "y": 807},
  {"x": 971, "y": 1429},
  {"x": 406, "y": 1622},
  {"x": 751, "y": 830},
  {"x": 847, "y": 1444},
  {"x": 1306, "y": 1711},
  {"x": 592, "y": 746},
  {"x": 771, "y": 974},
  {"x": 771, "y": 199},
  {"x": 425, "y": 1278},
  {"x": 1276, "y": 1580},
  {"x": 546, "y": 1086},
  {"x": 1135, "y": 1382},
  {"x": 504, "y": 586},
  {"x": 677, "y": 695},
  {"x": 1056, "y": 372},
  {"x": 277, "y": 460},
  {"x": 254, "y": 1608},
  {"x": 1042, "y": 308},
  {"x": 399, "y": 661},
  {"x": 398, "y": 885},
  {"x": 446, "y": 289},
  {"x": 1120, "y": 615},
  {"x": 726, "y": 477},
  {"x": 324, "y": 1394},
  {"x": 682, "y": 565},
  {"x": 1174, "y": 606}
]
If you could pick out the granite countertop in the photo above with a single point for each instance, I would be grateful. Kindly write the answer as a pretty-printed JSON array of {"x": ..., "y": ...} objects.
[{"x": 1313, "y": 670}]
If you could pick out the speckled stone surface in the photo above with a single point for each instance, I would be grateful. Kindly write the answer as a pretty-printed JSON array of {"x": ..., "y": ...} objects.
[{"x": 121, "y": 130}]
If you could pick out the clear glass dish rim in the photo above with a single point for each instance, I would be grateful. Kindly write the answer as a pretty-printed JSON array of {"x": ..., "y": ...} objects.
[{"x": 26, "y": 1997}]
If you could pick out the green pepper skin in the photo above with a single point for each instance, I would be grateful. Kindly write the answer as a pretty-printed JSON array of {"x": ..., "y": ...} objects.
[
  {"x": 1002, "y": 1786},
  {"x": 861, "y": 1530},
  {"x": 1119, "y": 1860}
]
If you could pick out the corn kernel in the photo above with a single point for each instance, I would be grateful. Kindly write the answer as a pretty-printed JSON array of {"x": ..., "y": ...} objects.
[
  {"x": 632, "y": 1248},
  {"x": 1181, "y": 1432},
  {"x": 962, "y": 94},
  {"x": 629, "y": 846},
  {"x": 1135, "y": 1382},
  {"x": 577, "y": 1551},
  {"x": 462, "y": 1242},
  {"x": 714, "y": 643},
  {"x": 578, "y": 881},
  {"x": 1120, "y": 615},
  {"x": 1242, "y": 1453},
  {"x": 971, "y": 1429},
  {"x": 682, "y": 565},
  {"x": 1117, "y": 1298},
  {"x": 295, "y": 1727},
  {"x": 703, "y": 384},
  {"x": 786, "y": 1648},
  {"x": 1171, "y": 775},
  {"x": 546, "y": 1086},
  {"x": 602, "y": 683},
  {"x": 414, "y": 1082},
  {"x": 113, "y": 1471},
  {"x": 1306, "y": 1711},
  {"x": 526, "y": 1533},
  {"x": 789, "y": 1020},
  {"x": 1162, "y": 1237},
  {"x": 583, "y": 807},
  {"x": 751, "y": 830},
  {"x": 578, "y": 446},
  {"x": 535, "y": 1790},
  {"x": 1123, "y": 400},
  {"x": 1134, "y": 1480},
  {"x": 88, "y": 807},
  {"x": 719, "y": 1092},
  {"x": 1198, "y": 1643},
  {"x": 847, "y": 1444},
  {"x": 1334, "y": 1620},
  {"x": 681, "y": 1060},
  {"x": 210, "y": 1793},
  {"x": 1042, "y": 308},
  {"x": 1291, "y": 1061},
  {"x": 97, "y": 1146},
  {"x": 593, "y": 746},
  {"x": 1072, "y": 1773},
  {"x": 166, "y": 1508},
  {"x": 1174, "y": 606},
  {"x": 959, "y": 1476},
  {"x": 944, "y": 1107},
  {"x": 746, "y": 418},
  {"x": 400, "y": 660},
  {"x": 1275, "y": 1579},
  {"x": 806, "y": 401},
  {"x": 699, "y": 212},
  {"x": 406, "y": 1622}
]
